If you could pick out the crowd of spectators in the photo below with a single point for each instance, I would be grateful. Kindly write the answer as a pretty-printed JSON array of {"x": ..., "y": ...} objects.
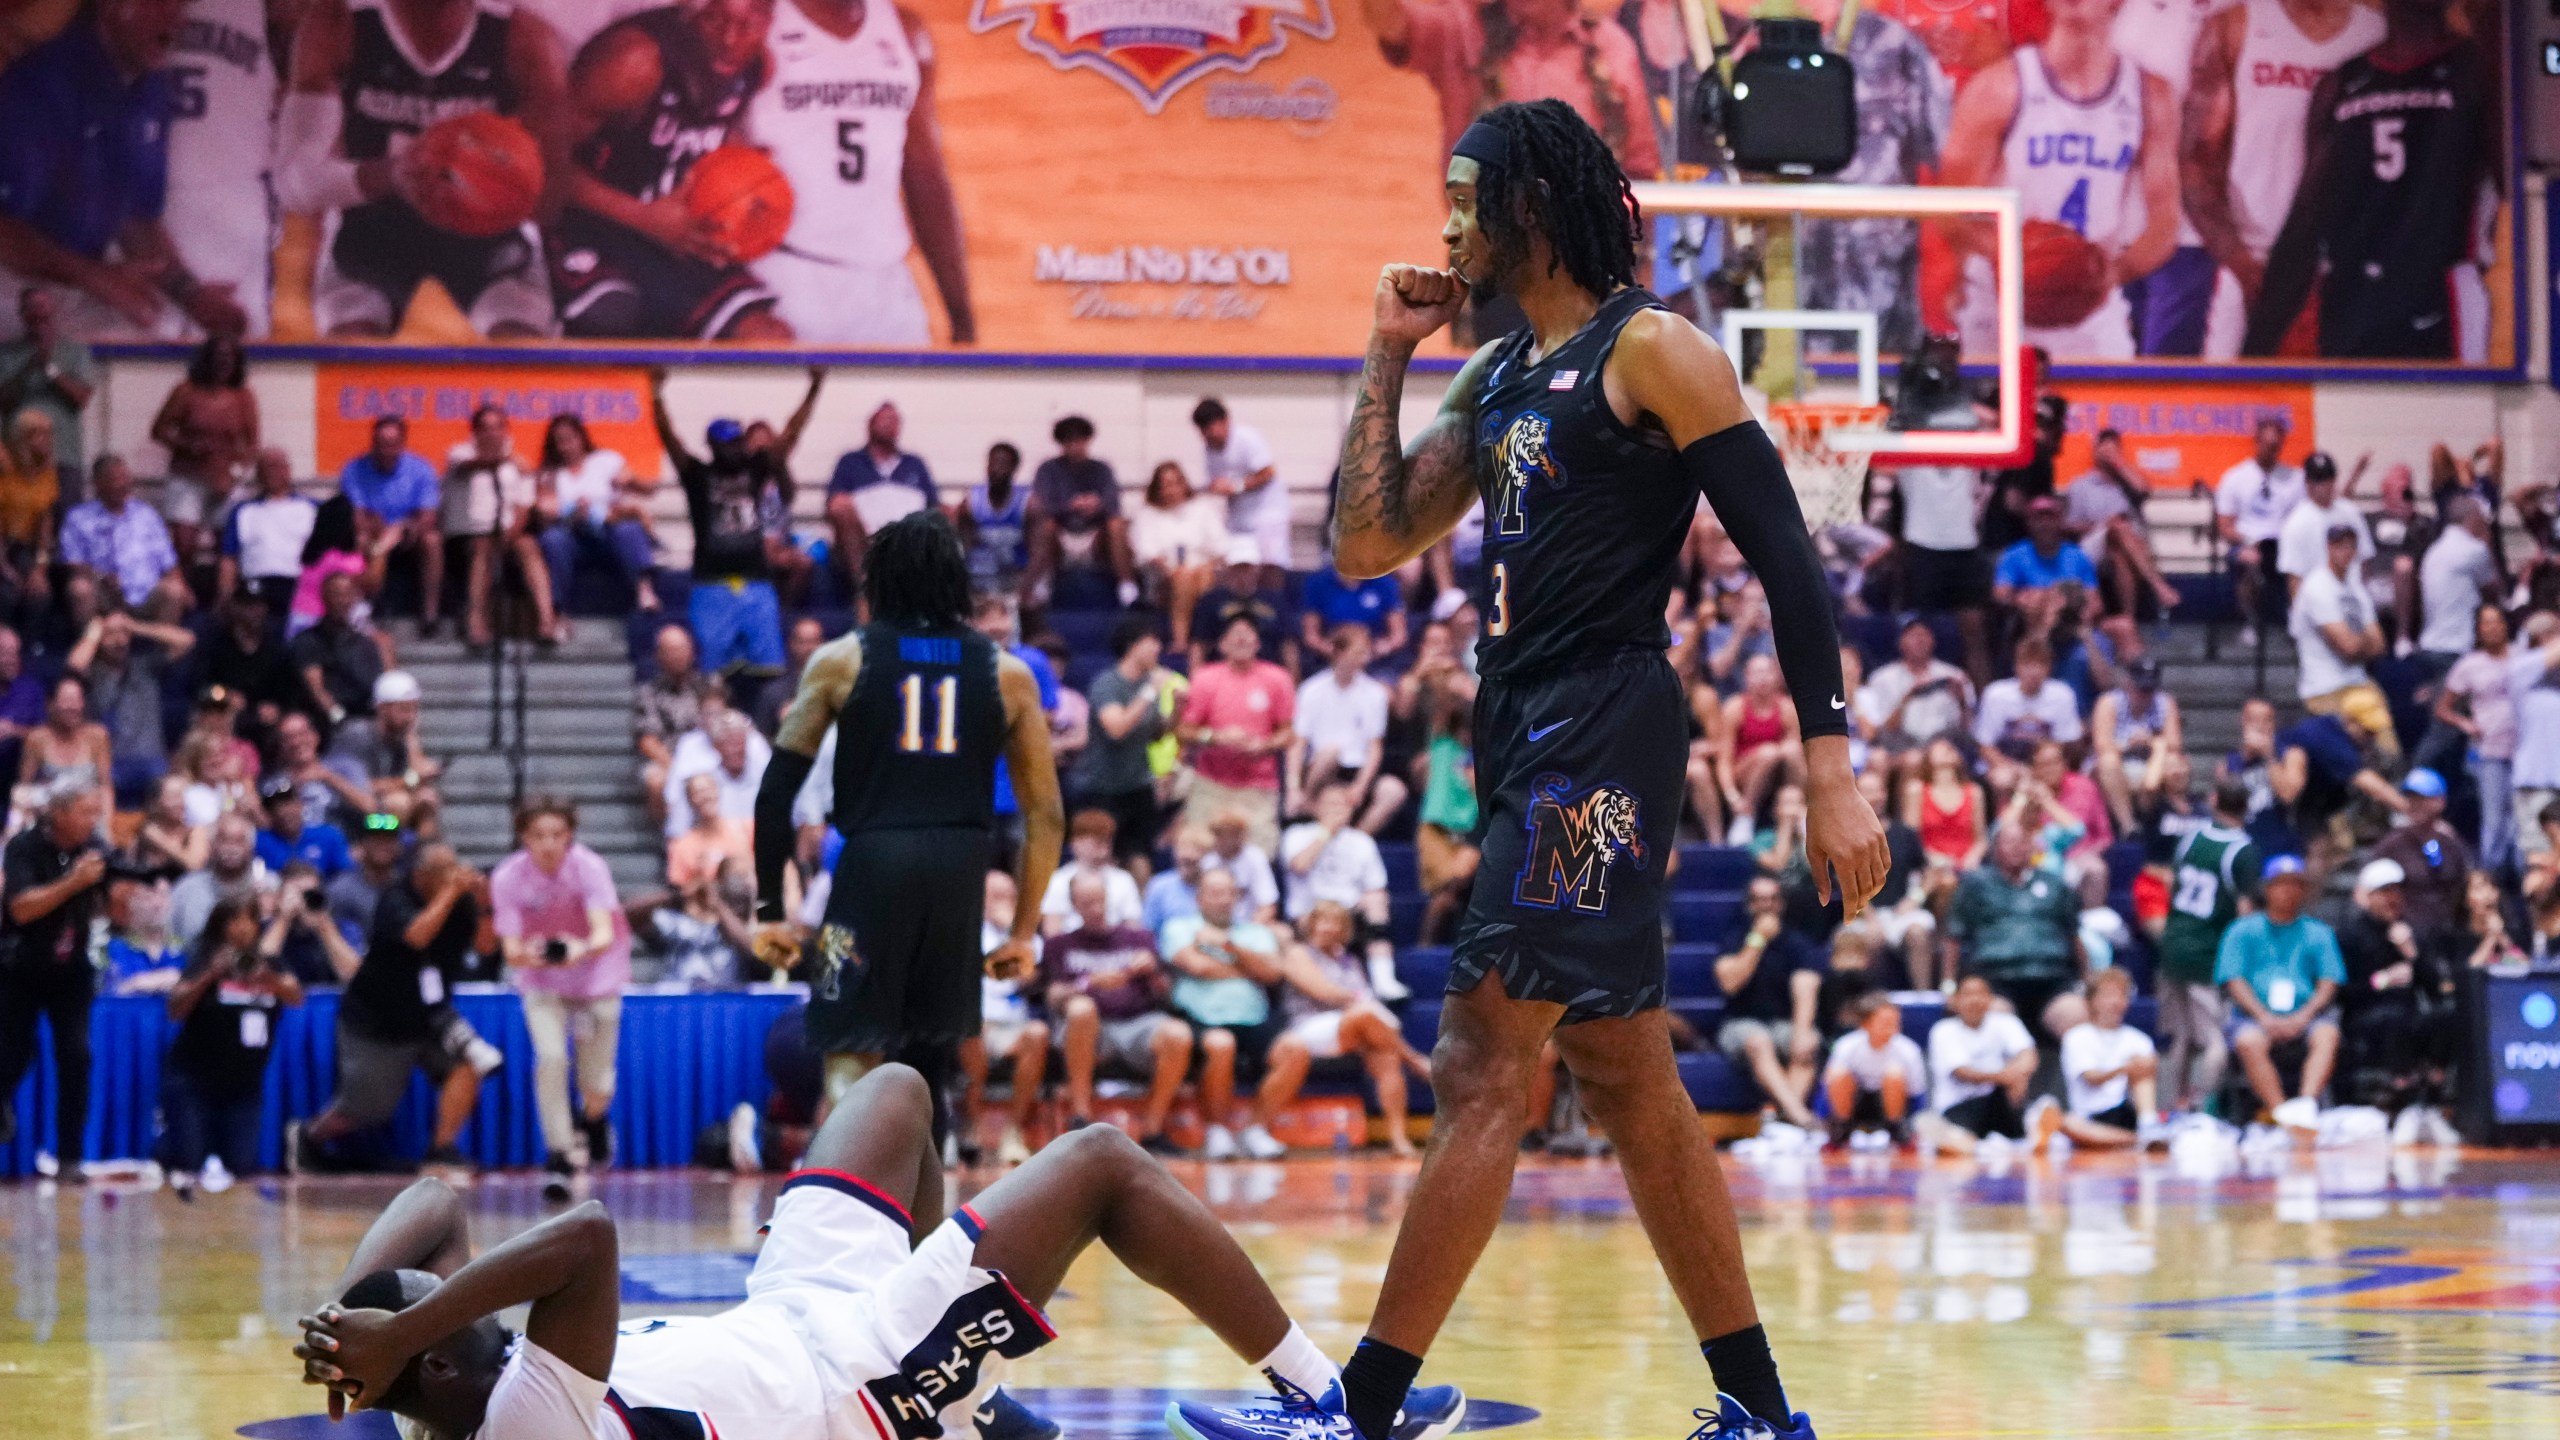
[{"x": 223, "y": 793}]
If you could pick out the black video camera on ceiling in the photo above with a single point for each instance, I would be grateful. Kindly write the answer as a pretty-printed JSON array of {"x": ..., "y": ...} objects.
[{"x": 1791, "y": 106}]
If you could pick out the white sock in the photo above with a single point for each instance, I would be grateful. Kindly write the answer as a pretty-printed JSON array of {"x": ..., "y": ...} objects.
[{"x": 1298, "y": 1364}]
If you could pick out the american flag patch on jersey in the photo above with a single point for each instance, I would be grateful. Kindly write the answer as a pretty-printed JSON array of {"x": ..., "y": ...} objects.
[{"x": 1565, "y": 380}]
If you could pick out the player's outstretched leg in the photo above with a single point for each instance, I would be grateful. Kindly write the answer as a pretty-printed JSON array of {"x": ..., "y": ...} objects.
[{"x": 1097, "y": 1185}]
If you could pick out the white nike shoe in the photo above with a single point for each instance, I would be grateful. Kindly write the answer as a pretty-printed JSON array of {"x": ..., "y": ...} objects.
[
  {"x": 2299, "y": 1113},
  {"x": 746, "y": 1155},
  {"x": 1261, "y": 1144},
  {"x": 1383, "y": 980},
  {"x": 2440, "y": 1130},
  {"x": 1221, "y": 1144},
  {"x": 2409, "y": 1128}
]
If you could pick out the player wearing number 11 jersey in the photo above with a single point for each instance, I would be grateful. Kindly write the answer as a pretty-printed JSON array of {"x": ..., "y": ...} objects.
[
  {"x": 849, "y": 116},
  {"x": 922, "y": 705}
]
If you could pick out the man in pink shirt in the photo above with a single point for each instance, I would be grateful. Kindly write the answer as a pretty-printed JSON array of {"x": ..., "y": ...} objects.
[
  {"x": 568, "y": 948},
  {"x": 1479, "y": 55},
  {"x": 1237, "y": 722}
]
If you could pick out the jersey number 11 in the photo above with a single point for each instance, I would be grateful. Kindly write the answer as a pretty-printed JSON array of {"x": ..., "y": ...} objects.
[{"x": 946, "y": 715}]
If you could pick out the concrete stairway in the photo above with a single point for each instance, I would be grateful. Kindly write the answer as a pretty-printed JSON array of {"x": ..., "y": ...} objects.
[
  {"x": 2210, "y": 690},
  {"x": 578, "y": 719}
]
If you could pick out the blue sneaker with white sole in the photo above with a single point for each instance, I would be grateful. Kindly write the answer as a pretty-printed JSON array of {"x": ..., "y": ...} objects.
[
  {"x": 1729, "y": 1421},
  {"x": 1005, "y": 1418},
  {"x": 1431, "y": 1412}
]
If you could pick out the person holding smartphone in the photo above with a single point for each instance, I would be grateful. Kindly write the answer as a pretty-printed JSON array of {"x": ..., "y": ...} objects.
[
  {"x": 568, "y": 949},
  {"x": 212, "y": 1091}
]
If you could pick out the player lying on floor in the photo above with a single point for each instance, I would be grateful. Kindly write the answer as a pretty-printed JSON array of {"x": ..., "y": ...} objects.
[{"x": 868, "y": 1313}]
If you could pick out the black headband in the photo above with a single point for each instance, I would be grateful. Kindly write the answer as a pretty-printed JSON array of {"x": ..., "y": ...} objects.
[{"x": 1489, "y": 147}]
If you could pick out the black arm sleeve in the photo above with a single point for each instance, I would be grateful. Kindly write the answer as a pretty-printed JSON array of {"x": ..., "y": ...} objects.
[
  {"x": 784, "y": 774},
  {"x": 1743, "y": 479}
]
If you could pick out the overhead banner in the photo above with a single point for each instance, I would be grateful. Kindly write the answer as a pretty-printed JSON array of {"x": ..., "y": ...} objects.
[
  {"x": 2175, "y": 435},
  {"x": 2308, "y": 182},
  {"x": 438, "y": 401}
]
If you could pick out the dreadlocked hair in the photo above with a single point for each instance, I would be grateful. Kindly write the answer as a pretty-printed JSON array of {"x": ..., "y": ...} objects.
[
  {"x": 915, "y": 574},
  {"x": 1563, "y": 182}
]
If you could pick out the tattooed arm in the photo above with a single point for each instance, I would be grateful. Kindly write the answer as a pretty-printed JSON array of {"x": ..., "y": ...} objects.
[
  {"x": 2204, "y": 147},
  {"x": 1392, "y": 501}
]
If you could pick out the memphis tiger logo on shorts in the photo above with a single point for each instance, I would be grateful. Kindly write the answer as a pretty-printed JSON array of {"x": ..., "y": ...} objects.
[
  {"x": 1523, "y": 452},
  {"x": 837, "y": 959},
  {"x": 1152, "y": 48},
  {"x": 1574, "y": 840}
]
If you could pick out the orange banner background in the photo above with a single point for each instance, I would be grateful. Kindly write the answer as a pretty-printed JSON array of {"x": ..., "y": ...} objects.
[
  {"x": 437, "y": 401},
  {"x": 2176, "y": 434}
]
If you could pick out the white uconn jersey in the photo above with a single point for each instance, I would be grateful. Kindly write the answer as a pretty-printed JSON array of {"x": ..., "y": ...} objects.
[
  {"x": 834, "y": 115},
  {"x": 221, "y": 213},
  {"x": 2277, "y": 70},
  {"x": 2073, "y": 163}
]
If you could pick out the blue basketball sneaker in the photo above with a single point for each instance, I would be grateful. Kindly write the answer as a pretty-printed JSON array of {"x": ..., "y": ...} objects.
[
  {"x": 1430, "y": 1412},
  {"x": 1729, "y": 1421},
  {"x": 1005, "y": 1418}
]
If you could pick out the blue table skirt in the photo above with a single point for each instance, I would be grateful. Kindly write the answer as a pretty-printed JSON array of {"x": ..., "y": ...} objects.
[{"x": 685, "y": 1061}]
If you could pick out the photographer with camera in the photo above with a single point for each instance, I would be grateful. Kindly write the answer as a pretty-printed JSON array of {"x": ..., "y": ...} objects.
[
  {"x": 568, "y": 949},
  {"x": 50, "y": 891},
  {"x": 306, "y": 940},
  {"x": 395, "y": 1018},
  {"x": 213, "y": 1088}
]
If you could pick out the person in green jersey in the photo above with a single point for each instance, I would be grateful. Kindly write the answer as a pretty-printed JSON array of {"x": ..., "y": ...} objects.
[{"x": 2213, "y": 876}]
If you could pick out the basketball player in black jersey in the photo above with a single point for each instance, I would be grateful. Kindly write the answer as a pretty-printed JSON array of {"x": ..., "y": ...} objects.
[
  {"x": 1589, "y": 435},
  {"x": 2399, "y": 192},
  {"x": 362, "y": 91},
  {"x": 648, "y": 96},
  {"x": 922, "y": 705}
]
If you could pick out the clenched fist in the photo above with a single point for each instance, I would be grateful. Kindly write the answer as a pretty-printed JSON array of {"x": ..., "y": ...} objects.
[{"x": 1414, "y": 301}]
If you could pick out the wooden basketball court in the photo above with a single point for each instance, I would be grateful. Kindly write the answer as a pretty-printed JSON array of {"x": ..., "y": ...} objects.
[{"x": 2328, "y": 1294}]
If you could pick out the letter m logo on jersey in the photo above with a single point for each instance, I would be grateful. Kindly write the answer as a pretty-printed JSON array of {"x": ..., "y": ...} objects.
[
  {"x": 1573, "y": 840},
  {"x": 1152, "y": 48}
]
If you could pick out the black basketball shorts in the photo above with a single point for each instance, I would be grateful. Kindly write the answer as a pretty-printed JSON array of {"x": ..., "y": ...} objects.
[
  {"x": 897, "y": 958},
  {"x": 1579, "y": 776}
]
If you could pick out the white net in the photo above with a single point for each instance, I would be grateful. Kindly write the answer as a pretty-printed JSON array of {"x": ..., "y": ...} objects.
[{"x": 1829, "y": 480}]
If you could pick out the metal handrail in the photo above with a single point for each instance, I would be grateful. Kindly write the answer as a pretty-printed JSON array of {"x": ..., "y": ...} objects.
[{"x": 511, "y": 658}]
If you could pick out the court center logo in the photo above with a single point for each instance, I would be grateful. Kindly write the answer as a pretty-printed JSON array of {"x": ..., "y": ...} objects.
[
  {"x": 1152, "y": 48},
  {"x": 1574, "y": 839}
]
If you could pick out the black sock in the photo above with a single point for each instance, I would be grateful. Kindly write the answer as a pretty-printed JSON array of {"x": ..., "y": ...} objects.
[
  {"x": 1745, "y": 1370},
  {"x": 1374, "y": 1386}
]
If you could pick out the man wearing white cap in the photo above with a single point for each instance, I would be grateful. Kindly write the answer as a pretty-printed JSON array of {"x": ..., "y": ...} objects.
[
  {"x": 395, "y": 750},
  {"x": 2282, "y": 971},
  {"x": 2397, "y": 1005}
]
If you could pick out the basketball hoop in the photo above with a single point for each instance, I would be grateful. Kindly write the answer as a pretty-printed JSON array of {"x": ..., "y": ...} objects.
[{"x": 1829, "y": 478}]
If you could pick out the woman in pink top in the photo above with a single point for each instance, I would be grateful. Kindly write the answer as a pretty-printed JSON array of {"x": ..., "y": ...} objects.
[
  {"x": 335, "y": 549},
  {"x": 568, "y": 948}
]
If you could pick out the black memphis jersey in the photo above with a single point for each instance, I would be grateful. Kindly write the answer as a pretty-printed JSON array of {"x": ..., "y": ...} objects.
[
  {"x": 2409, "y": 154},
  {"x": 1584, "y": 518},
  {"x": 387, "y": 92},
  {"x": 917, "y": 744},
  {"x": 648, "y": 154}
]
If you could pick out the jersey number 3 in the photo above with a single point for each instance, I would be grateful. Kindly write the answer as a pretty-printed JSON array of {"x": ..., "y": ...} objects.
[{"x": 946, "y": 715}]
